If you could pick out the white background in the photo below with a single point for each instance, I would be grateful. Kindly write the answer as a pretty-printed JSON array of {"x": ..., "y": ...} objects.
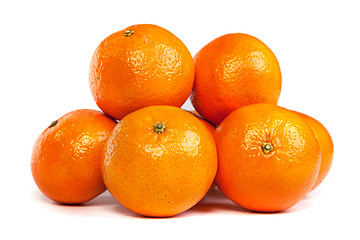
[{"x": 45, "y": 50}]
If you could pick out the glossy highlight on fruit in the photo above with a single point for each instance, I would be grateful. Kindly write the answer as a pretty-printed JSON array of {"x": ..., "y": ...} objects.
[{"x": 159, "y": 161}]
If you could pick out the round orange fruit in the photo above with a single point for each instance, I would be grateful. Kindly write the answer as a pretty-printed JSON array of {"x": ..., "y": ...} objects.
[
  {"x": 66, "y": 157},
  {"x": 269, "y": 158},
  {"x": 140, "y": 66},
  {"x": 231, "y": 71},
  {"x": 159, "y": 161},
  {"x": 325, "y": 143}
]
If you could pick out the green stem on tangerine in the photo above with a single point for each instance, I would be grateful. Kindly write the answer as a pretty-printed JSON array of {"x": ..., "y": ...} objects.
[
  {"x": 128, "y": 33},
  {"x": 159, "y": 127},
  {"x": 266, "y": 147}
]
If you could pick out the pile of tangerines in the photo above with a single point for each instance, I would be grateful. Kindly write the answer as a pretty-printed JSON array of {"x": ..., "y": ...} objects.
[{"x": 157, "y": 159}]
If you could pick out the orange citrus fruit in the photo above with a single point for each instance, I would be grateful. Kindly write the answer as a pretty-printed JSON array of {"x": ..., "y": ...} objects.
[
  {"x": 66, "y": 157},
  {"x": 232, "y": 71},
  {"x": 269, "y": 158},
  {"x": 159, "y": 161},
  {"x": 325, "y": 143},
  {"x": 140, "y": 66}
]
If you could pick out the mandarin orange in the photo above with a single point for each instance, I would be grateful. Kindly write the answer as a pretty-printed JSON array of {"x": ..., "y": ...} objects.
[
  {"x": 66, "y": 158},
  {"x": 232, "y": 71},
  {"x": 159, "y": 161},
  {"x": 269, "y": 158},
  {"x": 140, "y": 66}
]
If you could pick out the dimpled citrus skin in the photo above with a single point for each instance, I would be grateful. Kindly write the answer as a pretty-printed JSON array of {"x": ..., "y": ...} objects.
[
  {"x": 159, "y": 174},
  {"x": 149, "y": 67},
  {"x": 66, "y": 157},
  {"x": 231, "y": 71},
  {"x": 211, "y": 129},
  {"x": 326, "y": 146},
  {"x": 259, "y": 181}
]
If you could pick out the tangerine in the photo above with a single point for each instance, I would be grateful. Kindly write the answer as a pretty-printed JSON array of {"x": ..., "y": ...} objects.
[
  {"x": 231, "y": 71},
  {"x": 140, "y": 66},
  {"x": 159, "y": 161},
  {"x": 269, "y": 158},
  {"x": 66, "y": 157}
]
